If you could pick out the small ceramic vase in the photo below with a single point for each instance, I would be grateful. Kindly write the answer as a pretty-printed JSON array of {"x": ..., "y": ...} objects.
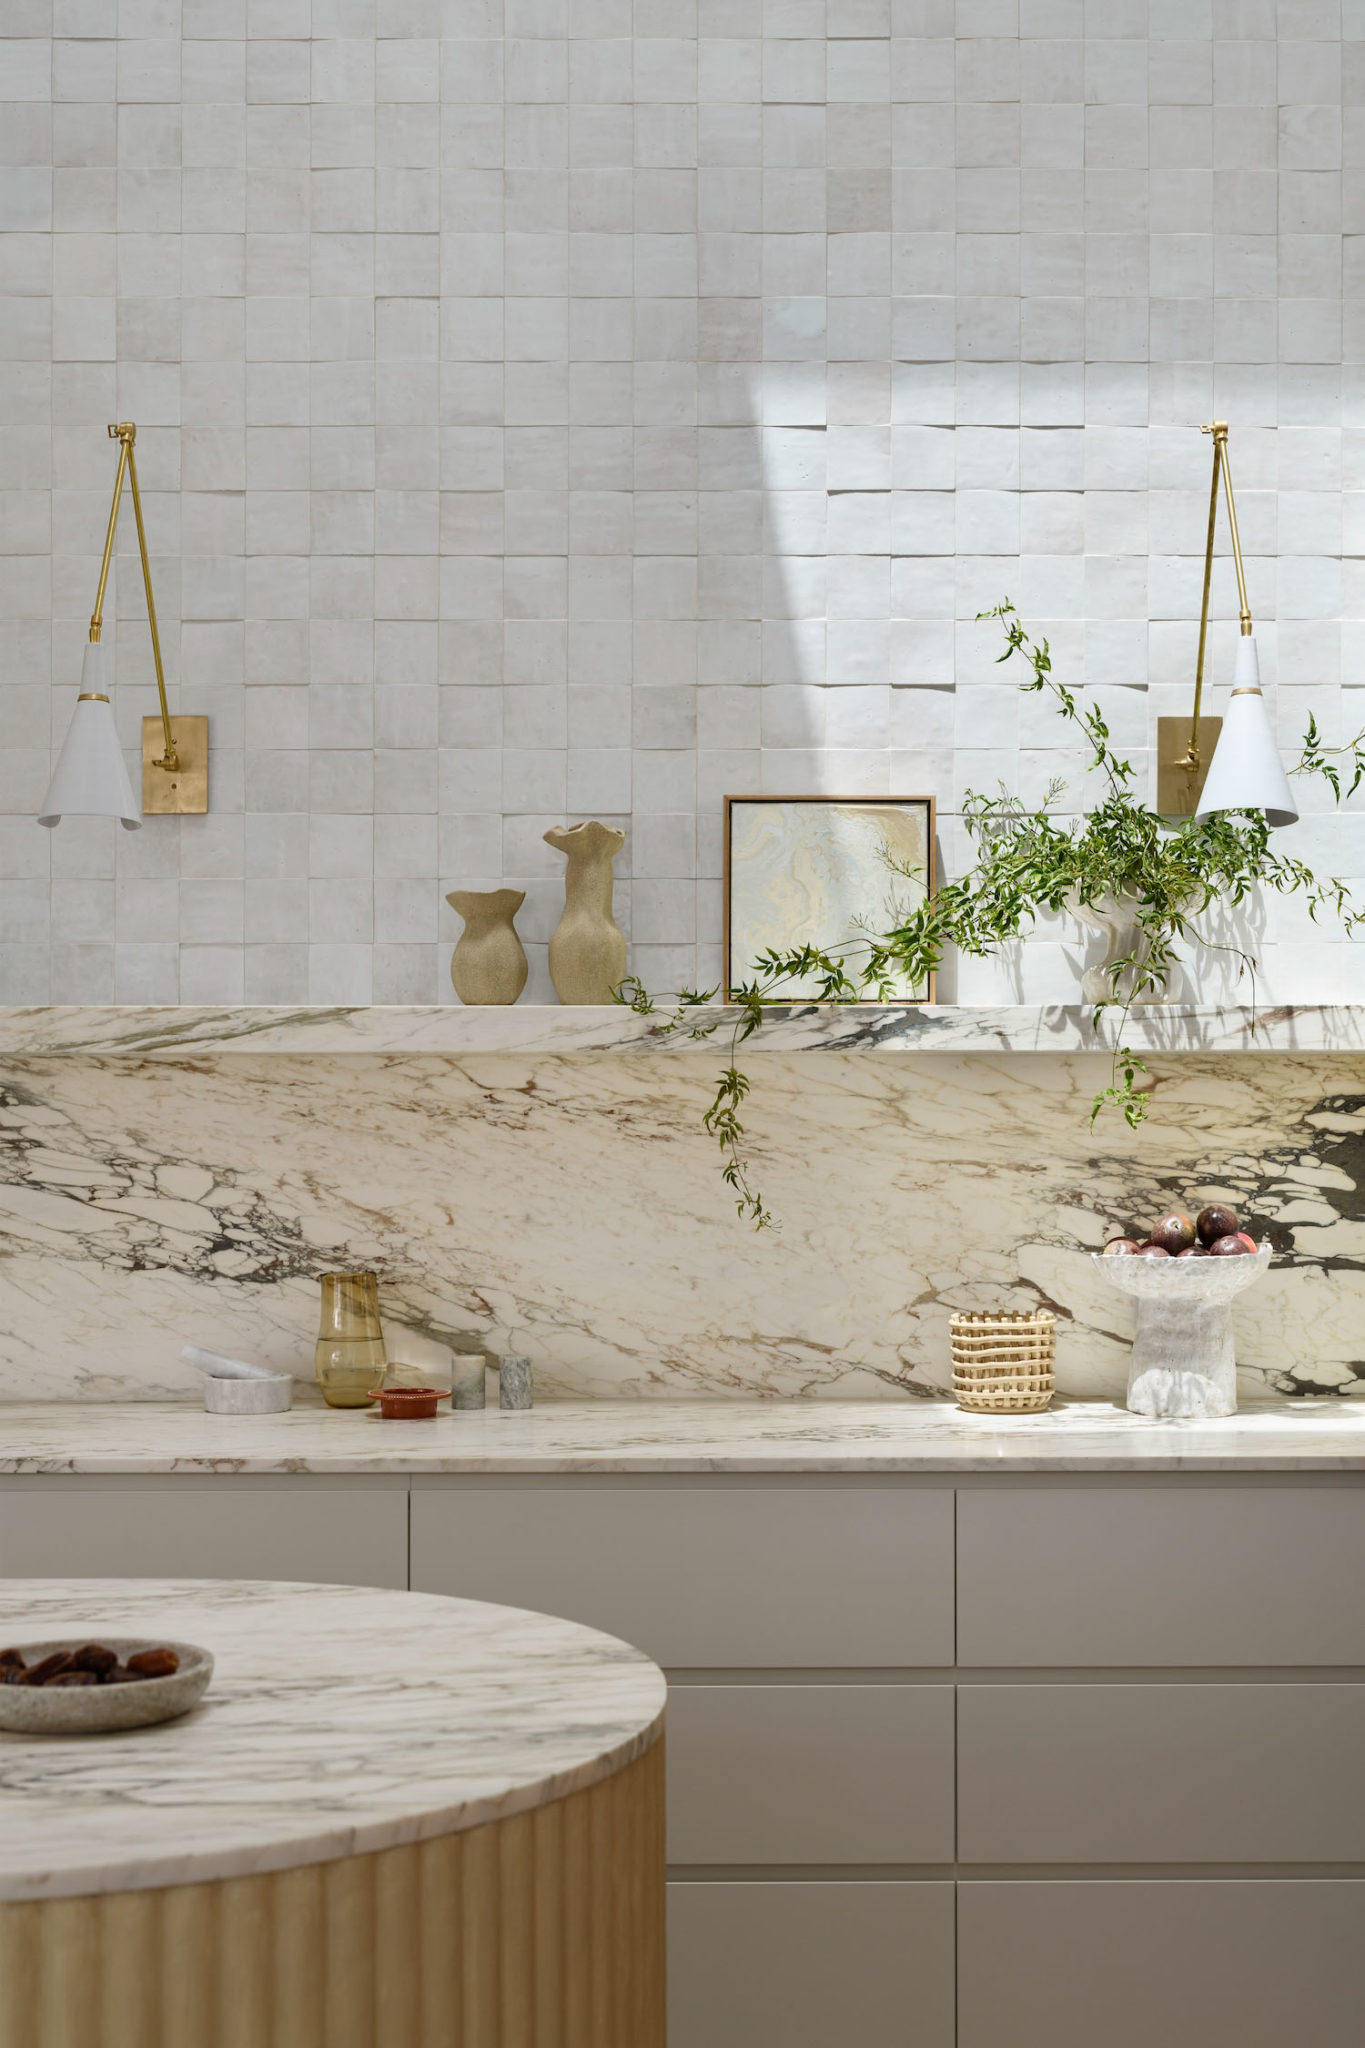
[
  {"x": 588, "y": 950},
  {"x": 488, "y": 965}
]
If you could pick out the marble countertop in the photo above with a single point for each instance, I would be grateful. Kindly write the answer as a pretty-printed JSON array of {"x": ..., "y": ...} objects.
[
  {"x": 450, "y": 1030},
  {"x": 1288, "y": 1435},
  {"x": 339, "y": 1721}
]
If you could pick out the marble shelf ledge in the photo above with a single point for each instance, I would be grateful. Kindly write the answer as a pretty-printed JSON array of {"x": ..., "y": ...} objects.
[
  {"x": 660, "y": 1437},
  {"x": 534, "y": 1029}
]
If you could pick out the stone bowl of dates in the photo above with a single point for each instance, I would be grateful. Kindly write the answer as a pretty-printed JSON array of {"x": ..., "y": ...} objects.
[{"x": 88, "y": 1685}]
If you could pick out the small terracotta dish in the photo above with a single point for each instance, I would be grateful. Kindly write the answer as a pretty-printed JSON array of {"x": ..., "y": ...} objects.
[
  {"x": 99, "y": 1709},
  {"x": 407, "y": 1404}
]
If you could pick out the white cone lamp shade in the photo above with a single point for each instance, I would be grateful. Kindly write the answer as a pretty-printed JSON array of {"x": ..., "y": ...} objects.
[
  {"x": 1246, "y": 772},
  {"x": 90, "y": 779}
]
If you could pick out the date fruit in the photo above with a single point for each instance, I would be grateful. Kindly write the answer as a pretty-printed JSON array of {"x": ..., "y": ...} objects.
[
  {"x": 94, "y": 1657},
  {"x": 154, "y": 1663},
  {"x": 50, "y": 1667}
]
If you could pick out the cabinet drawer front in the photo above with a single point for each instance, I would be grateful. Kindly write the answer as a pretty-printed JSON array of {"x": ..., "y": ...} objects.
[
  {"x": 1161, "y": 1774},
  {"x": 810, "y": 1774},
  {"x": 810, "y": 1966},
  {"x": 1258, "y": 1963},
  {"x": 333, "y": 1536},
  {"x": 735, "y": 1577},
  {"x": 1204, "y": 1576}
]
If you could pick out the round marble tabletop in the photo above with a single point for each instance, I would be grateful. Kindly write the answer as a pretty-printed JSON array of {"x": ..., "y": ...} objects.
[{"x": 340, "y": 1720}]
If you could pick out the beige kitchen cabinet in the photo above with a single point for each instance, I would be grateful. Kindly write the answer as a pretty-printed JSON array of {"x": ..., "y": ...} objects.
[
  {"x": 795, "y": 1774},
  {"x": 314, "y": 1529},
  {"x": 714, "y": 1578},
  {"x": 1090, "y": 1577},
  {"x": 1224, "y": 1963},
  {"x": 1161, "y": 1774},
  {"x": 815, "y": 1965}
]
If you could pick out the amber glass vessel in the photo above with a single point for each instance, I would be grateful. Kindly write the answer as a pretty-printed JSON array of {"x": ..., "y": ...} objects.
[{"x": 349, "y": 1358}]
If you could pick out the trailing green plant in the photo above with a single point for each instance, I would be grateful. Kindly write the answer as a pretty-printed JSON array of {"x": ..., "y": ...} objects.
[{"x": 1169, "y": 874}]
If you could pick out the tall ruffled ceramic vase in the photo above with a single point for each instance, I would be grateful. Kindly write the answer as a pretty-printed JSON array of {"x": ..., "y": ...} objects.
[
  {"x": 588, "y": 950},
  {"x": 488, "y": 966}
]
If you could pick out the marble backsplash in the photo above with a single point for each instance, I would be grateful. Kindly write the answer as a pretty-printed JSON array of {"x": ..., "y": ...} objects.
[{"x": 570, "y": 1207}]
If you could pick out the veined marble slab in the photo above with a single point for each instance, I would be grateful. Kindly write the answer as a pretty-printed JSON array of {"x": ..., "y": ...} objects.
[
  {"x": 339, "y": 1721},
  {"x": 571, "y": 1209},
  {"x": 1286, "y": 1435},
  {"x": 64, "y": 1032}
]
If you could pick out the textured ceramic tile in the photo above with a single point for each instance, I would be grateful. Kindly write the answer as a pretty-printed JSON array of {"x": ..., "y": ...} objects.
[{"x": 605, "y": 351}]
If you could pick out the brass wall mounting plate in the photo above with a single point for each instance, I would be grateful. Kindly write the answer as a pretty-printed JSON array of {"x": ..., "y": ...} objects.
[
  {"x": 1177, "y": 790},
  {"x": 182, "y": 792}
]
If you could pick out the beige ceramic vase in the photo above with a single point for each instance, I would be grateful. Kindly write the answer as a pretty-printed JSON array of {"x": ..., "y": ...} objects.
[
  {"x": 588, "y": 950},
  {"x": 488, "y": 966}
]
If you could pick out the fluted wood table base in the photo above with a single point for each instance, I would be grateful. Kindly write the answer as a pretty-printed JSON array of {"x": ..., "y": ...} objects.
[{"x": 545, "y": 1930}]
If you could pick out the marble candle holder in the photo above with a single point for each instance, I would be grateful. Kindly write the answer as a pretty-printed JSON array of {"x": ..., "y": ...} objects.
[
  {"x": 466, "y": 1379},
  {"x": 515, "y": 1382},
  {"x": 1184, "y": 1361}
]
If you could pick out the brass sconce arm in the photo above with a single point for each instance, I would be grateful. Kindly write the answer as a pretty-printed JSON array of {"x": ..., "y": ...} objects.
[
  {"x": 1222, "y": 470},
  {"x": 125, "y": 433}
]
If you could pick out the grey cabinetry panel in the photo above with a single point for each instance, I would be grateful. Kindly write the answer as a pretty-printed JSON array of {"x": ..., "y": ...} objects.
[
  {"x": 730, "y": 1577},
  {"x": 1255, "y": 1963},
  {"x": 1208, "y": 1576},
  {"x": 351, "y": 1536},
  {"x": 811, "y": 1966},
  {"x": 810, "y": 1774},
  {"x": 1161, "y": 1774}
]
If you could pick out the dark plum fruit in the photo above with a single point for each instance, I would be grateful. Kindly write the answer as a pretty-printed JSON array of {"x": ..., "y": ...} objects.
[
  {"x": 1235, "y": 1245},
  {"x": 1214, "y": 1222},
  {"x": 1194, "y": 1251},
  {"x": 1121, "y": 1248},
  {"x": 1152, "y": 1251},
  {"x": 1173, "y": 1231}
]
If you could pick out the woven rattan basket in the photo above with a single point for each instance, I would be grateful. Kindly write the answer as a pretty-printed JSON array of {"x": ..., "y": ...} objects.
[{"x": 1002, "y": 1364}]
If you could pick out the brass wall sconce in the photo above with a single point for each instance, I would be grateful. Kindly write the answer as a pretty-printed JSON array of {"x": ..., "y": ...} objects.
[
  {"x": 90, "y": 778},
  {"x": 1201, "y": 768}
]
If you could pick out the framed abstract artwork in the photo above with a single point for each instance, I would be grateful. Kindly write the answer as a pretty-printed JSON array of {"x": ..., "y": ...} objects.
[{"x": 822, "y": 871}]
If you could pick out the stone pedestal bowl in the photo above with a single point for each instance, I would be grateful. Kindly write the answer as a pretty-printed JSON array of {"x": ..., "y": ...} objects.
[{"x": 1184, "y": 1361}]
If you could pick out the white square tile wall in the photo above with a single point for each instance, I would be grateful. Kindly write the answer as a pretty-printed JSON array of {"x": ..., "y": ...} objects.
[{"x": 564, "y": 408}]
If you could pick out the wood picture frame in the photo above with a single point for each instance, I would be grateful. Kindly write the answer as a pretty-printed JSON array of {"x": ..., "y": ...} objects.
[{"x": 741, "y": 920}]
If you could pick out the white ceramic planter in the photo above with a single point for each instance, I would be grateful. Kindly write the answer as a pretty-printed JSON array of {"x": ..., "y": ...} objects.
[
  {"x": 1184, "y": 1360},
  {"x": 1115, "y": 917}
]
